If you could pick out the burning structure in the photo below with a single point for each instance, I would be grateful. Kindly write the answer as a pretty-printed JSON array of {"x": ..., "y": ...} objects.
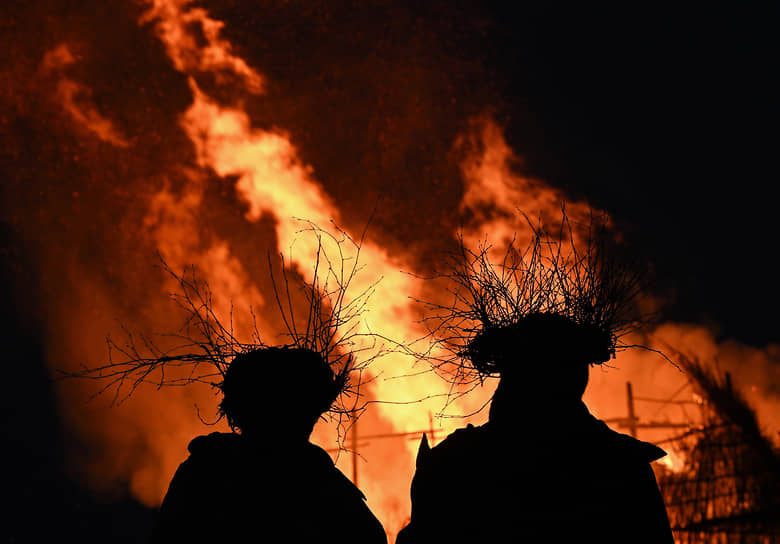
[
  {"x": 727, "y": 489},
  {"x": 202, "y": 130}
]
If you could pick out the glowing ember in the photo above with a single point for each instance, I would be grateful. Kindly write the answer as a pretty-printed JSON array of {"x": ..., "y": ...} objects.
[{"x": 674, "y": 461}]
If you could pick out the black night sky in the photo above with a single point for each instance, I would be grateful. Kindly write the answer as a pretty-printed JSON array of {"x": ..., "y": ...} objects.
[{"x": 664, "y": 115}]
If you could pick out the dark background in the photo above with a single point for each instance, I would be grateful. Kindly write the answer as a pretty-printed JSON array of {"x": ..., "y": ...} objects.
[{"x": 665, "y": 116}]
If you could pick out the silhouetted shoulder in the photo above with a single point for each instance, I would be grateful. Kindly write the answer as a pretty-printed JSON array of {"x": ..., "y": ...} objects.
[
  {"x": 463, "y": 437},
  {"x": 230, "y": 486},
  {"x": 215, "y": 445},
  {"x": 611, "y": 442},
  {"x": 553, "y": 482},
  {"x": 303, "y": 462},
  {"x": 318, "y": 457},
  {"x": 457, "y": 446},
  {"x": 198, "y": 505},
  {"x": 337, "y": 509},
  {"x": 324, "y": 461}
]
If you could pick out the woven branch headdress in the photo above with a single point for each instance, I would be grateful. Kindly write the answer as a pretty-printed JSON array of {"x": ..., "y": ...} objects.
[{"x": 565, "y": 294}]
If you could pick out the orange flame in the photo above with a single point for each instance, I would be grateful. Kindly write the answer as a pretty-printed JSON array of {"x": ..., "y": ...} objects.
[
  {"x": 75, "y": 98},
  {"x": 272, "y": 181}
]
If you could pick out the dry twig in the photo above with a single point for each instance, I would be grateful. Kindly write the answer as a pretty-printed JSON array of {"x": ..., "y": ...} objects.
[
  {"x": 201, "y": 350},
  {"x": 573, "y": 272}
]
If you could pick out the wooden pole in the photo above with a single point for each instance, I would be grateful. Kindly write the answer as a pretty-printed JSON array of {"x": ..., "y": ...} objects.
[
  {"x": 355, "y": 452},
  {"x": 631, "y": 415}
]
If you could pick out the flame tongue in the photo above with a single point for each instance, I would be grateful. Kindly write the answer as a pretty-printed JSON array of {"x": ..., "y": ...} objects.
[{"x": 272, "y": 181}]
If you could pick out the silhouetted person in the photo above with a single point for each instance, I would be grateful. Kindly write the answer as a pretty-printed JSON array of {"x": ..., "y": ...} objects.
[
  {"x": 267, "y": 483},
  {"x": 543, "y": 469}
]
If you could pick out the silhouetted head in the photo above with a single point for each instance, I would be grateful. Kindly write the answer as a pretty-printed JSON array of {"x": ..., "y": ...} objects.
[
  {"x": 277, "y": 390},
  {"x": 544, "y": 357}
]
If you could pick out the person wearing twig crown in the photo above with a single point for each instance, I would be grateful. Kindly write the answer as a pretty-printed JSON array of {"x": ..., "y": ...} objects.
[
  {"x": 542, "y": 469},
  {"x": 264, "y": 481},
  {"x": 267, "y": 482}
]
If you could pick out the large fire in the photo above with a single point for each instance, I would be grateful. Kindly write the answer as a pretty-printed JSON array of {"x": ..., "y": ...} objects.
[{"x": 273, "y": 194}]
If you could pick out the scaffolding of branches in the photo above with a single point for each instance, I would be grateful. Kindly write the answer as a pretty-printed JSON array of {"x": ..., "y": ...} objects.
[
  {"x": 202, "y": 348},
  {"x": 729, "y": 488}
]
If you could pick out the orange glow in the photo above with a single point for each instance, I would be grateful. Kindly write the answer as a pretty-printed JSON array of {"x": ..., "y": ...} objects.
[
  {"x": 173, "y": 19},
  {"x": 75, "y": 98},
  {"x": 272, "y": 180},
  {"x": 144, "y": 440},
  {"x": 490, "y": 172},
  {"x": 674, "y": 461}
]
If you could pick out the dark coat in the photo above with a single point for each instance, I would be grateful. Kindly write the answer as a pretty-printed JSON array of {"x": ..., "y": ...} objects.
[
  {"x": 571, "y": 481},
  {"x": 231, "y": 490}
]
